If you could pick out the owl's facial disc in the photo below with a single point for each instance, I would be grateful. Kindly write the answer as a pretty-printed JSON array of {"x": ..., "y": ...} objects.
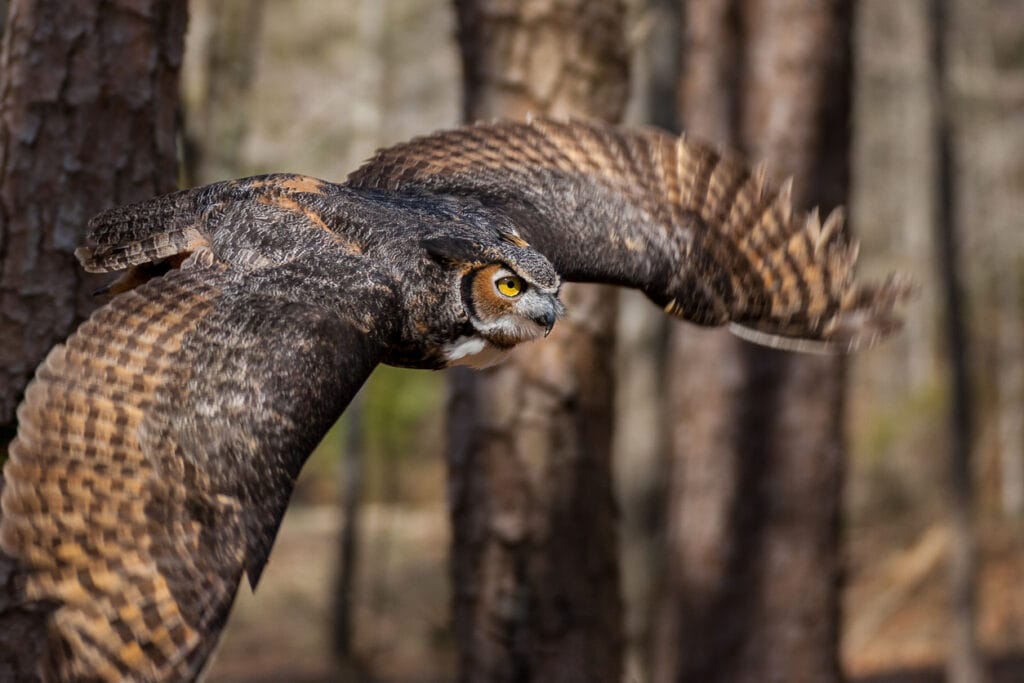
[{"x": 505, "y": 309}]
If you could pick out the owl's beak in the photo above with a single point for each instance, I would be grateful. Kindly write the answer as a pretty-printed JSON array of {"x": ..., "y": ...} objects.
[{"x": 546, "y": 320}]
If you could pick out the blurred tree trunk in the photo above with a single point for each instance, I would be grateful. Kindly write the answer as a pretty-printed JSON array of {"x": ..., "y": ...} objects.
[
  {"x": 1010, "y": 381},
  {"x": 229, "y": 56},
  {"x": 342, "y": 628},
  {"x": 752, "y": 584},
  {"x": 1006, "y": 244},
  {"x": 964, "y": 665},
  {"x": 367, "y": 126},
  {"x": 894, "y": 120},
  {"x": 87, "y": 120},
  {"x": 534, "y": 566},
  {"x": 639, "y": 453},
  {"x": 985, "y": 74}
]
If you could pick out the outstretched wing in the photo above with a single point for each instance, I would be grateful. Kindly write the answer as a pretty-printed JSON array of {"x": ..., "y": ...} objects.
[
  {"x": 156, "y": 452},
  {"x": 703, "y": 235}
]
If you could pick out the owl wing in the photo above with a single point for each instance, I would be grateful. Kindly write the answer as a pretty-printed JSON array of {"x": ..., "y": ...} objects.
[
  {"x": 180, "y": 222},
  {"x": 155, "y": 455},
  {"x": 697, "y": 230}
]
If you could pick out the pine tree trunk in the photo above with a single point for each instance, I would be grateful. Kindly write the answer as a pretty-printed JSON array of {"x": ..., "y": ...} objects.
[
  {"x": 89, "y": 97},
  {"x": 534, "y": 566},
  {"x": 752, "y": 584},
  {"x": 964, "y": 664},
  {"x": 90, "y": 94}
]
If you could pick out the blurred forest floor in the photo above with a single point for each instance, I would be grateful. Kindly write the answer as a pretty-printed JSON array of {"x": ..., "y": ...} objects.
[
  {"x": 894, "y": 622},
  {"x": 401, "y": 614},
  {"x": 333, "y": 81}
]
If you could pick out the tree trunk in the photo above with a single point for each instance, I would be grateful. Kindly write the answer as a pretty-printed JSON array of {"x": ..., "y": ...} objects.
[
  {"x": 89, "y": 92},
  {"x": 964, "y": 664},
  {"x": 89, "y": 95},
  {"x": 894, "y": 120},
  {"x": 342, "y": 627},
  {"x": 752, "y": 585},
  {"x": 229, "y": 57},
  {"x": 639, "y": 447},
  {"x": 1010, "y": 387},
  {"x": 534, "y": 561}
]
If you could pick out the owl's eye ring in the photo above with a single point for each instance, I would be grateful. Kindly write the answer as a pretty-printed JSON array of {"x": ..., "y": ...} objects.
[{"x": 510, "y": 286}]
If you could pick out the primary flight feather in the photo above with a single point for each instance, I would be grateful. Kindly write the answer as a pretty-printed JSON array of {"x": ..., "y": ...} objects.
[{"x": 158, "y": 447}]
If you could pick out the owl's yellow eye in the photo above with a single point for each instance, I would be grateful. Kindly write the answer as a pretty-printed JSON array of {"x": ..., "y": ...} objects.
[{"x": 510, "y": 286}]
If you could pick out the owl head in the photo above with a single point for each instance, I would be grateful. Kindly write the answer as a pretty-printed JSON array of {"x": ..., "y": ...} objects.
[{"x": 508, "y": 291}]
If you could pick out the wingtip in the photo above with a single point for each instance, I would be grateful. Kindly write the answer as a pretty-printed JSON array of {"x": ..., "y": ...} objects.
[{"x": 869, "y": 314}]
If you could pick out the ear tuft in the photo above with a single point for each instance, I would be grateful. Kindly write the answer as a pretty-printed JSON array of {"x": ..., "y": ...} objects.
[{"x": 451, "y": 249}]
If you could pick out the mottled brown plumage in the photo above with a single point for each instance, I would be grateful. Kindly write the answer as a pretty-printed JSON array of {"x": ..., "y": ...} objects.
[
  {"x": 697, "y": 230},
  {"x": 158, "y": 447}
]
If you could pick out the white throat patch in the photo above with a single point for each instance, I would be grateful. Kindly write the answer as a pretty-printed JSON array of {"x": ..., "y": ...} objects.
[{"x": 473, "y": 352}]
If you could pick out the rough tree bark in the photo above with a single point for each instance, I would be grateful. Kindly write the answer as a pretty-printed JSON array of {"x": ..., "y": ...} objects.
[
  {"x": 88, "y": 97},
  {"x": 536, "y": 594},
  {"x": 752, "y": 584}
]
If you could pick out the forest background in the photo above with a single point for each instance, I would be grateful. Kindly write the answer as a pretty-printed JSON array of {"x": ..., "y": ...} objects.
[{"x": 314, "y": 87}]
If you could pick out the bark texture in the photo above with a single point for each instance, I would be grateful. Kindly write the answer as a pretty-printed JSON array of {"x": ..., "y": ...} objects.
[
  {"x": 535, "y": 573},
  {"x": 752, "y": 584},
  {"x": 88, "y": 97}
]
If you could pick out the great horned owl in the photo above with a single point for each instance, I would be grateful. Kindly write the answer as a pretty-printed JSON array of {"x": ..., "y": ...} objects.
[{"x": 157, "y": 448}]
